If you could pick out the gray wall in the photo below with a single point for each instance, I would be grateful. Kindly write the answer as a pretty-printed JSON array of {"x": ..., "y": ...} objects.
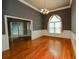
[
  {"x": 74, "y": 16},
  {"x": 16, "y": 8},
  {"x": 65, "y": 15}
]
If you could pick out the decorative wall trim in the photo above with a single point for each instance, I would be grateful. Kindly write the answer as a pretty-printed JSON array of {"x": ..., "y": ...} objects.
[
  {"x": 33, "y": 7},
  {"x": 61, "y": 8},
  {"x": 26, "y": 3},
  {"x": 36, "y": 34},
  {"x": 64, "y": 34},
  {"x": 5, "y": 43},
  {"x": 73, "y": 40}
]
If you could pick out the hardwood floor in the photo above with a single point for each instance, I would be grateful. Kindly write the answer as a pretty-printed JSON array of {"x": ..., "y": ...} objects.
[{"x": 41, "y": 48}]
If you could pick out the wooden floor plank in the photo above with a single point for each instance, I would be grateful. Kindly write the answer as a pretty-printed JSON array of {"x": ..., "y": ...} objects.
[{"x": 40, "y": 49}]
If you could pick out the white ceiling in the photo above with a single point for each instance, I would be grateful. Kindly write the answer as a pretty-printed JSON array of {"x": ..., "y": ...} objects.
[{"x": 49, "y": 4}]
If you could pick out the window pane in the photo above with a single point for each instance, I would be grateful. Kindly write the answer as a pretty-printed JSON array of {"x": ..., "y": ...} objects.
[
  {"x": 58, "y": 30},
  {"x": 58, "y": 24},
  {"x": 51, "y": 25},
  {"x": 14, "y": 29},
  {"x": 20, "y": 25}
]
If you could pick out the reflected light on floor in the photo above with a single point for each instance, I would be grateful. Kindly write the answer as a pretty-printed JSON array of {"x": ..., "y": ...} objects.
[{"x": 55, "y": 48}]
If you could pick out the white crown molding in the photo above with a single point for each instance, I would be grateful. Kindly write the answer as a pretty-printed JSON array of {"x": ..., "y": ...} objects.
[
  {"x": 26, "y": 3},
  {"x": 33, "y": 7},
  {"x": 60, "y": 8}
]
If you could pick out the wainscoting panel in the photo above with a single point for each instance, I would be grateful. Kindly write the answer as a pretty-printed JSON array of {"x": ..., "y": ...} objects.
[
  {"x": 5, "y": 43},
  {"x": 64, "y": 34},
  {"x": 36, "y": 34},
  {"x": 73, "y": 40}
]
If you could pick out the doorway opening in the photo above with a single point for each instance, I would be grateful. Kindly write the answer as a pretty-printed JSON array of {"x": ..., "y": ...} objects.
[{"x": 18, "y": 31}]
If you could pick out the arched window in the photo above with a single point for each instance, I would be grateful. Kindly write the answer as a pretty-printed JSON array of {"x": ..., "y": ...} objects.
[{"x": 55, "y": 24}]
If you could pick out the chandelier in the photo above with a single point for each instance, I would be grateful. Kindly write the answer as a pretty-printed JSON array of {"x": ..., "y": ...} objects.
[{"x": 44, "y": 10}]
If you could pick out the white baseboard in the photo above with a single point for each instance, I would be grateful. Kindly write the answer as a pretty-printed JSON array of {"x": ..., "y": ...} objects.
[{"x": 5, "y": 43}]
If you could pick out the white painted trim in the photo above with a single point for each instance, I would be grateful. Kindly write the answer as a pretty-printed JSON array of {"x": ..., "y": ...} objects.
[
  {"x": 33, "y": 7},
  {"x": 5, "y": 43},
  {"x": 64, "y": 34},
  {"x": 36, "y": 34},
  {"x": 6, "y": 26},
  {"x": 60, "y": 8},
  {"x": 6, "y": 31},
  {"x": 39, "y": 33},
  {"x": 16, "y": 17},
  {"x": 73, "y": 40},
  {"x": 26, "y": 3}
]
